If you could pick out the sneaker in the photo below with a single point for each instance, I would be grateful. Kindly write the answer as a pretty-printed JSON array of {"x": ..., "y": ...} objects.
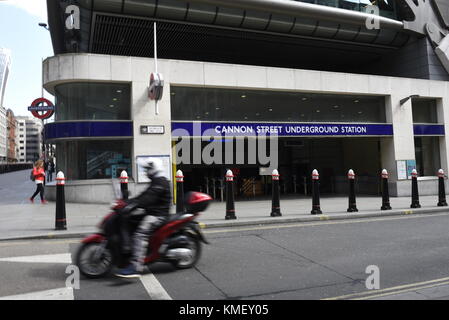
[
  {"x": 44, "y": 201},
  {"x": 128, "y": 272},
  {"x": 31, "y": 200}
]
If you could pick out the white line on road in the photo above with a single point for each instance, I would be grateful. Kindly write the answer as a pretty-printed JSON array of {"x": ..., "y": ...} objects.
[
  {"x": 48, "y": 258},
  {"x": 53, "y": 294},
  {"x": 154, "y": 287}
]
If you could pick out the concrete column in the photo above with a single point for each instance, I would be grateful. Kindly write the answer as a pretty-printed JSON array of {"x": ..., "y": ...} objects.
[
  {"x": 443, "y": 117},
  {"x": 401, "y": 146}
]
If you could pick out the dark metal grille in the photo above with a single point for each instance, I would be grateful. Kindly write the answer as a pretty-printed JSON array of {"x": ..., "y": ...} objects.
[{"x": 119, "y": 35}]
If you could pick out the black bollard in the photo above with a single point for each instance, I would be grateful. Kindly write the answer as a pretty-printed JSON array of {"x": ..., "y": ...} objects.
[
  {"x": 60, "y": 218},
  {"x": 275, "y": 203},
  {"x": 441, "y": 189},
  {"x": 315, "y": 193},
  {"x": 230, "y": 209},
  {"x": 415, "y": 195},
  {"x": 179, "y": 192},
  {"x": 352, "y": 207},
  {"x": 124, "y": 185},
  {"x": 385, "y": 192}
]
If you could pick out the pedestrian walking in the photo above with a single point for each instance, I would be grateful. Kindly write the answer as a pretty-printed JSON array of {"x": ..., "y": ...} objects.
[
  {"x": 39, "y": 178},
  {"x": 51, "y": 169}
]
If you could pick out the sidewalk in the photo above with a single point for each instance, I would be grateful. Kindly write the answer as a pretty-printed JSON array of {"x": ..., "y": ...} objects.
[{"x": 26, "y": 220}]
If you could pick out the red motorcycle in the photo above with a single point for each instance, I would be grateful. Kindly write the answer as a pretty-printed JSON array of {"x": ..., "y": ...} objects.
[{"x": 177, "y": 241}]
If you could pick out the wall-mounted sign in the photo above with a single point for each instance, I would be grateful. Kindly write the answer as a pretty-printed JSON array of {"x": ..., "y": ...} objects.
[
  {"x": 428, "y": 129},
  {"x": 405, "y": 168},
  {"x": 411, "y": 164},
  {"x": 166, "y": 168},
  {"x": 42, "y": 108},
  {"x": 88, "y": 129},
  {"x": 402, "y": 169},
  {"x": 156, "y": 88},
  {"x": 152, "y": 129},
  {"x": 280, "y": 129}
]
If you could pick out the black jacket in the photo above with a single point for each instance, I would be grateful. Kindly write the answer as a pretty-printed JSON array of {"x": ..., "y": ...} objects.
[{"x": 156, "y": 199}]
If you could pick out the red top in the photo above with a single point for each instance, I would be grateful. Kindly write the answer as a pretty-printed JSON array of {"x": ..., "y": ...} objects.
[{"x": 39, "y": 174}]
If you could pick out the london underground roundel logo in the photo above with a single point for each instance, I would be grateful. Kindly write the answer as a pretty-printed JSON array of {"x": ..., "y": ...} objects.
[{"x": 42, "y": 108}]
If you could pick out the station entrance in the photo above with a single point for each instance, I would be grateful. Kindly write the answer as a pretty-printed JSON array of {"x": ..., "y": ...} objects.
[
  {"x": 328, "y": 132},
  {"x": 296, "y": 158}
]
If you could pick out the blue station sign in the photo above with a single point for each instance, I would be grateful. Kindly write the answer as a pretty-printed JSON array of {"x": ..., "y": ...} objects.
[{"x": 280, "y": 129}]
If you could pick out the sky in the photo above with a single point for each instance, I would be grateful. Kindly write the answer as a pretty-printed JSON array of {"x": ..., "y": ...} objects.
[{"x": 29, "y": 43}]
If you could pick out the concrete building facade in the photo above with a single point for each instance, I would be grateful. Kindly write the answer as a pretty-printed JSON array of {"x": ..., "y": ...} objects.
[
  {"x": 3, "y": 135},
  {"x": 337, "y": 95},
  {"x": 21, "y": 139},
  {"x": 29, "y": 134},
  {"x": 33, "y": 140},
  {"x": 12, "y": 146}
]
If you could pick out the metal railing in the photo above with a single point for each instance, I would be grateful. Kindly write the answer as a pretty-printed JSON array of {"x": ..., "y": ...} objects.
[{"x": 10, "y": 167}]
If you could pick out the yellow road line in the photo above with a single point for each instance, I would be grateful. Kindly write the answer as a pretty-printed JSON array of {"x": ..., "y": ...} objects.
[
  {"x": 402, "y": 291},
  {"x": 393, "y": 290},
  {"x": 320, "y": 223}
]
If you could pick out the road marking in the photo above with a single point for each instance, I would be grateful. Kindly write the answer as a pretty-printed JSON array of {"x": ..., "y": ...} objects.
[
  {"x": 321, "y": 223},
  {"x": 41, "y": 242},
  {"x": 5, "y": 244},
  {"x": 54, "y": 294},
  {"x": 48, "y": 258},
  {"x": 154, "y": 287},
  {"x": 393, "y": 290},
  {"x": 402, "y": 291}
]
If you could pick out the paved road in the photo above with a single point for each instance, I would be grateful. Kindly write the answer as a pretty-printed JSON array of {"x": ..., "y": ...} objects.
[
  {"x": 16, "y": 187},
  {"x": 318, "y": 260}
]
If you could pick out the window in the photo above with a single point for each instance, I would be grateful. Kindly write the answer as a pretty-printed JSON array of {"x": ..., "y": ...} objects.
[
  {"x": 93, "y": 101},
  {"x": 427, "y": 149},
  {"x": 81, "y": 160},
  {"x": 427, "y": 154},
  {"x": 424, "y": 110},
  {"x": 211, "y": 104}
]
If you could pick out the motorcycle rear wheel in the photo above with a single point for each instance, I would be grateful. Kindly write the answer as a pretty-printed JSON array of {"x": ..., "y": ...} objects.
[
  {"x": 89, "y": 265},
  {"x": 189, "y": 262}
]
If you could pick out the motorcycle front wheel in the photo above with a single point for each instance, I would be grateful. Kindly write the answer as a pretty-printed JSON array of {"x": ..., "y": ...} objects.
[
  {"x": 94, "y": 260},
  {"x": 189, "y": 261}
]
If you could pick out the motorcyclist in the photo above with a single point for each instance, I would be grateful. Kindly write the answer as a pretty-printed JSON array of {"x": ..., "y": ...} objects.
[{"x": 155, "y": 201}]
